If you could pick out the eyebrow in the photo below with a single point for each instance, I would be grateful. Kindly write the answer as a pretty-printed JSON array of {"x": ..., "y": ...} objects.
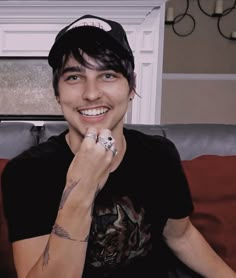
[
  {"x": 82, "y": 69},
  {"x": 73, "y": 69}
]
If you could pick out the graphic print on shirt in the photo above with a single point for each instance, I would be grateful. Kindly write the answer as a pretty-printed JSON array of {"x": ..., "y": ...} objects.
[{"x": 118, "y": 236}]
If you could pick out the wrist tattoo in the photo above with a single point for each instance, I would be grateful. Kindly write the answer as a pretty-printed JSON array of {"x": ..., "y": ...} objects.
[
  {"x": 66, "y": 193},
  {"x": 60, "y": 232}
]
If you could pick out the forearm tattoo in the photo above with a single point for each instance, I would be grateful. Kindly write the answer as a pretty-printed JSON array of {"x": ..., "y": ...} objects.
[
  {"x": 86, "y": 239},
  {"x": 57, "y": 229},
  {"x": 92, "y": 206},
  {"x": 60, "y": 232},
  {"x": 46, "y": 255},
  {"x": 66, "y": 193}
]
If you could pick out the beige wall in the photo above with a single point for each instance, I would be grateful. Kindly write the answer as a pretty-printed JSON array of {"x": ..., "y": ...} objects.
[
  {"x": 199, "y": 101},
  {"x": 205, "y": 51}
]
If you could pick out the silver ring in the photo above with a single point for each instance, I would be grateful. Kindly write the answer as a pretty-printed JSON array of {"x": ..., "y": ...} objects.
[
  {"x": 91, "y": 135},
  {"x": 114, "y": 150},
  {"x": 107, "y": 141}
]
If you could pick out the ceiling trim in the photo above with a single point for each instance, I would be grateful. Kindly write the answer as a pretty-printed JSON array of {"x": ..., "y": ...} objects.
[{"x": 62, "y": 12}]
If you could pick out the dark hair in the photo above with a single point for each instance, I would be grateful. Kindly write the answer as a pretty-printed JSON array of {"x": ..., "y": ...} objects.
[{"x": 105, "y": 58}]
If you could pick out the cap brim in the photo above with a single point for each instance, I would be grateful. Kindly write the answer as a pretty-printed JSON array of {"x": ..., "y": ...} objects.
[{"x": 83, "y": 37}]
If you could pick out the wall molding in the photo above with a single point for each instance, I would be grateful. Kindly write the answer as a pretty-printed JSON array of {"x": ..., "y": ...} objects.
[
  {"x": 198, "y": 76},
  {"x": 62, "y": 12}
]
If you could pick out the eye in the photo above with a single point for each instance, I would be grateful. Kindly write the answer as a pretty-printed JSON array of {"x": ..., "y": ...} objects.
[
  {"x": 72, "y": 77},
  {"x": 109, "y": 76}
]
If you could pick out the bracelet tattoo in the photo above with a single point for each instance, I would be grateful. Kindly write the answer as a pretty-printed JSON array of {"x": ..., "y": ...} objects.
[
  {"x": 66, "y": 193},
  {"x": 60, "y": 232}
]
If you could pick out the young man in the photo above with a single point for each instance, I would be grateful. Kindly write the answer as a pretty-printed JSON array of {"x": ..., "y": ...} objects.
[{"x": 91, "y": 202}]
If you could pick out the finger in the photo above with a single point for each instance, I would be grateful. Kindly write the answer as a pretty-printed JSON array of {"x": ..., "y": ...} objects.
[{"x": 91, "y": 133}]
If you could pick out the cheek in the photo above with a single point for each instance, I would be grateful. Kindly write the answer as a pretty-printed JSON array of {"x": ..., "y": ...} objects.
[
  {"x": 67, "y": 94},
  {"x": 119, "y": 92},
  {"x": 121, "y": 100}
]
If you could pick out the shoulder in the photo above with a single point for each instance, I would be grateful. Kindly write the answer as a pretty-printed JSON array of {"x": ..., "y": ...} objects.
[
  {"x": 36, "y": 156},
  {"x": 151, "y": 143}
]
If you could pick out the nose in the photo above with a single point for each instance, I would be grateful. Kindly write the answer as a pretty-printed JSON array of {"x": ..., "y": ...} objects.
[{"x": 91, "y": 90}]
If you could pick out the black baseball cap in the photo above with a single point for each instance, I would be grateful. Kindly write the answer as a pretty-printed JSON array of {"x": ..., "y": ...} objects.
[{"x": 85, "y": 31}]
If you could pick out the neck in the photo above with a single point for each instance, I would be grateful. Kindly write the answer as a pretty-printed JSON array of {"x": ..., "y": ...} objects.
[{"x": 121, "y": 152}]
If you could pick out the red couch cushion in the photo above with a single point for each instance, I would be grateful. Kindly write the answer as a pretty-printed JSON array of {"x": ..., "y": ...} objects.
[
  {"x": 212, "y": 181},
  {"x": 7, "y": 268}
]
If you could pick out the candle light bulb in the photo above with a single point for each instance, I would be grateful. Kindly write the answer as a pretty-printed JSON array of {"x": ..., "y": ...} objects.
[
  {"x": 170, "y": 14},
  {"x": 219, "y": 7},
  {"x": 233, "y": 35}
]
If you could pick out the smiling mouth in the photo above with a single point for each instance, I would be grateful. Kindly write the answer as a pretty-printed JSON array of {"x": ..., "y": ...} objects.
[{"x": 93, "y": 112}]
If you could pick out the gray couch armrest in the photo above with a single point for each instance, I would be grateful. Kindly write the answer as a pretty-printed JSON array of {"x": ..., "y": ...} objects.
[{"x": 16, "y": 137}]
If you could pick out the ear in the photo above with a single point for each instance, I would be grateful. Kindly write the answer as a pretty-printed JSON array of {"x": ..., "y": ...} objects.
[
  {"x": 58, "y": 99},
  {"x": 131, "y": 95},
  {"x": 132, "y": 92}
]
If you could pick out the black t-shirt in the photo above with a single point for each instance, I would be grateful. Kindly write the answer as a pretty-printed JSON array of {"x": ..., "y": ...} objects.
[{"x": 130, "y": 212}]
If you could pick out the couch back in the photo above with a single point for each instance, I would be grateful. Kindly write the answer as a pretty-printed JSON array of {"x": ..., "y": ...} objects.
[{"x": 191, "y": 140}]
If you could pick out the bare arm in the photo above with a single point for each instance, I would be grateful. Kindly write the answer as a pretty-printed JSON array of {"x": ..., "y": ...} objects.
[
  {"x": 193, "y": 250},
  {"x": 63, "y": 252}
]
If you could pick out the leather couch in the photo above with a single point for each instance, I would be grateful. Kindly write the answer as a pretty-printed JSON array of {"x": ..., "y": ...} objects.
[{"x": 208, "y": 153}]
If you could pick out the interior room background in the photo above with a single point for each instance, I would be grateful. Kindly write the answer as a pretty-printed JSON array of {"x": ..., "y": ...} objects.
[
  {"x": 199, "y": 70},
  {"x": 193, "y": 77}
]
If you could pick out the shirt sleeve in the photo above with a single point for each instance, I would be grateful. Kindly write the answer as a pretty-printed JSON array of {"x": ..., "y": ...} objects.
[
  {"x": 179, "y": 200},
  {"x": 24, "y": 203}
]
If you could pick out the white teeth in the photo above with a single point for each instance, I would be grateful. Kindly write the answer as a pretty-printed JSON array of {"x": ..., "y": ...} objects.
[{"x": 93, "y": 112}]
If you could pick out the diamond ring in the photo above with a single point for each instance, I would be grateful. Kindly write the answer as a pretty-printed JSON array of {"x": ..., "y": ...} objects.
[
  {"x": 107, "y": 141},
  {"x": 114, "y": 150}
]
